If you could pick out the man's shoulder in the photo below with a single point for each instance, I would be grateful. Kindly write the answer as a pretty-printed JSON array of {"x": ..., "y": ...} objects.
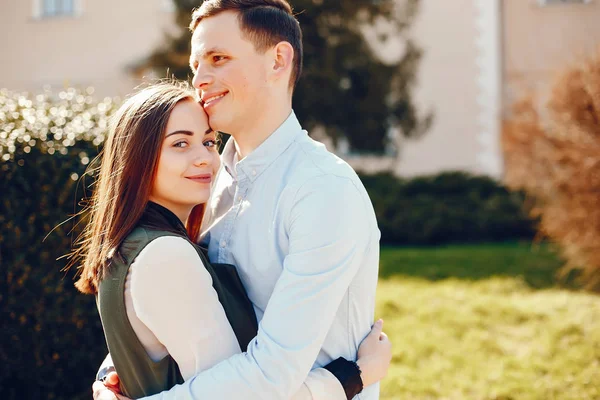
[
  {"x": 313, "y": 170},
  {"x": 310, "y": 159},
  {"x": 324, "y": 189}
]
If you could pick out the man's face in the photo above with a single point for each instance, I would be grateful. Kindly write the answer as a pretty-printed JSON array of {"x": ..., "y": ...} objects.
[{"x": 229, "y": 74}]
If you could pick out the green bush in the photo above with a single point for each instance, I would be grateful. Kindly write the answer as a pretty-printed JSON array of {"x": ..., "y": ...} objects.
[
  {"x": 51, "y": 340},
  {"x": 446, "y": 208}
]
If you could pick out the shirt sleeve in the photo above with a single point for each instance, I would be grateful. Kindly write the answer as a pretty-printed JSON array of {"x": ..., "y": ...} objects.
[{"x": 328, "y": 232}]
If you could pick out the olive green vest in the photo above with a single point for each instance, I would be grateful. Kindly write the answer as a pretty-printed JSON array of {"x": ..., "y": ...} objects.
[{"x": 139, "y": 375}]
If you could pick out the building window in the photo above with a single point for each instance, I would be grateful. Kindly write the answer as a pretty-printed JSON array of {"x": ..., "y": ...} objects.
[{"x": 56, "y": 8}]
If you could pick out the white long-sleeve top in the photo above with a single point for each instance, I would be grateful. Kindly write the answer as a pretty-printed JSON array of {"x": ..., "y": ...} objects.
[
  {"x": 174, "y": 310},
  {"x": 300, "y": 227}
]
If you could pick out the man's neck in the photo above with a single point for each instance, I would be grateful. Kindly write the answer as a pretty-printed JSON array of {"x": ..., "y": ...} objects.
[{"x": 248, "y": 140}]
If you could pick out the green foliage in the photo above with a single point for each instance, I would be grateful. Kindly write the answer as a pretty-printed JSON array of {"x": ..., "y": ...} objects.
[
  {"x": 52, "y": 340},
  {"x": 445, "y": 208},
  {"x": 345, "y": 87}
]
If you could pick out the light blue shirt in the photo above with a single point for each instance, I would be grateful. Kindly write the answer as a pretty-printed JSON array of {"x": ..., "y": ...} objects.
[{"x": 299, "y": 225}]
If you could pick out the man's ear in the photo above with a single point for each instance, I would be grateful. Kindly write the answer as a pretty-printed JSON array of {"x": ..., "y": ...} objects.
[{"x": 283, "y": 60}]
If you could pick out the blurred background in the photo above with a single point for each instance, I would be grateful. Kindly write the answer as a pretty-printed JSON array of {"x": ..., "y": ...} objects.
[{"x": 474, "y": 125}]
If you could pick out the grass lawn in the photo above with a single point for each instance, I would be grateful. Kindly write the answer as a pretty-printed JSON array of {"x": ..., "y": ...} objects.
[{"x": 486, "y": 323}]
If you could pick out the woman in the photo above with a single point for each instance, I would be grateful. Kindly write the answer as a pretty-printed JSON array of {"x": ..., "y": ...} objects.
[{"x": 167, "y": 313}]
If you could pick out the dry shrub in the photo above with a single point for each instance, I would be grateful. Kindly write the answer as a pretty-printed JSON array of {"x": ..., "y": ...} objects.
[{"x": 553, "y": 154}]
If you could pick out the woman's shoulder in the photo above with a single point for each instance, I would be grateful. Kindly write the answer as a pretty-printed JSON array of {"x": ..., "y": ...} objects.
[
  {"x": 172, "y": 250},
  {"x": 163, "y": 245},
  {"x": 168, "y": 262}
]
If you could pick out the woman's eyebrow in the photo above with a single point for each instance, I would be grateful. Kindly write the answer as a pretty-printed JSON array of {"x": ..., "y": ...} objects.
[
  {"x": 188, "y": 133},
  {"x": 182, "y": 132}
]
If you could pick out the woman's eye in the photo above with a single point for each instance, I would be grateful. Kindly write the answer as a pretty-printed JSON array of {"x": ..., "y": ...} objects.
[
  {"x": 210, "y": 143},
  {"x": 180, "y": 144}
]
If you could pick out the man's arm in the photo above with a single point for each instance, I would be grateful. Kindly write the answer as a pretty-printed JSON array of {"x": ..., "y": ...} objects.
[
  {"x": 320, "y": 384},
  {"x": 328, "y": 229}
]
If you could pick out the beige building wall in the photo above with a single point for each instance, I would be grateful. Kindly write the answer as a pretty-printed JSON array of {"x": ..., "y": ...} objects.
[
  {"x": 540, "y": 40},
  {"x": 447, "y": 85},
  {"x": 95, "y": 48}
]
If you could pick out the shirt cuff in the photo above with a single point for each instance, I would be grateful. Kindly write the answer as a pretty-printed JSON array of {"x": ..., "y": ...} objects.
[
  {"x": 320, "y": 384},
  {"x": 348, "y": 373}
]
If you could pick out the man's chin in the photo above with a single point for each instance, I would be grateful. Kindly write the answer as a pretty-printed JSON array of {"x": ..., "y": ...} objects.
[{"x": 217, "y": 124}]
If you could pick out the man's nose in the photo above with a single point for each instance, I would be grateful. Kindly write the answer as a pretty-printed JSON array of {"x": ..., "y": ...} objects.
[{"x": 202, "y": 78}]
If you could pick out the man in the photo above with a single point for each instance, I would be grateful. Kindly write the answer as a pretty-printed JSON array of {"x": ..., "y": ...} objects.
[{"x": 294, "y": 218}]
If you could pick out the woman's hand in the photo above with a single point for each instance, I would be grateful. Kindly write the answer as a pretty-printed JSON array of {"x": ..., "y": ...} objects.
[
  {"x": 107, "y": 389},
  {"x": 374, "y": 355}
]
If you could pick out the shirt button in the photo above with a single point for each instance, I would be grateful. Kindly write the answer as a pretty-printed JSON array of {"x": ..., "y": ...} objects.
[
  {"x": 223, "y": 243},
  {"x": 254, "y": 172}
]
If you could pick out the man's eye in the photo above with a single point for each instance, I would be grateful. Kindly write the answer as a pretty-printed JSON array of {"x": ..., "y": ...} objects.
[
  {"x": 210, "y": 143},
  {"x": 218, "y": 58}
]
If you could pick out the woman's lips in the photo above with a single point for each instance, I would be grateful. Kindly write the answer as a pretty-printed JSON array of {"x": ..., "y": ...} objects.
[{"x": 205, "y": 178}]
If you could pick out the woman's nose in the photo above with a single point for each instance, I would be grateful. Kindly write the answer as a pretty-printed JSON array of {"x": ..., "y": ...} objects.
[{"x": 203, "y": 157}]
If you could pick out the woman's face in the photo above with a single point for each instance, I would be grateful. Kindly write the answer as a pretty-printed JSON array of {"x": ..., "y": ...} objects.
[{"x": 188, "y": 160}]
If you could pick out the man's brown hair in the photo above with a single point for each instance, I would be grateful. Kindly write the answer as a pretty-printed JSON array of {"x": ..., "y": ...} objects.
[{"x": 264, "y": 22}]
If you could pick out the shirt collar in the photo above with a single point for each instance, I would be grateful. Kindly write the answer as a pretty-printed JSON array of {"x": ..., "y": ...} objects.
[
  {"x": 259, "y": 160},
  {"x": 229, "y": 158}
]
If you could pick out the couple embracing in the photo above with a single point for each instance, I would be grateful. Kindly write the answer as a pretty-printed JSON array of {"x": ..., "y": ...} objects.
[{"x": 246, "y": 276}]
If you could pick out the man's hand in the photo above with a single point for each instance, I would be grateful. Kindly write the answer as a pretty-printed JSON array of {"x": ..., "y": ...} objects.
[
  {"x": 108, "y": 389},
  {"x": 374, "y": 355}
]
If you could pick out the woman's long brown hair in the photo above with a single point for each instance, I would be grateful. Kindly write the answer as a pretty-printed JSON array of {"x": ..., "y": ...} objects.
[{"x": 129, "y": 161}]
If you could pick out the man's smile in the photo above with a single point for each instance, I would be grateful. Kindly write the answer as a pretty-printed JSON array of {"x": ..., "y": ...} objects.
[{"x": 210, "y": 99}]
